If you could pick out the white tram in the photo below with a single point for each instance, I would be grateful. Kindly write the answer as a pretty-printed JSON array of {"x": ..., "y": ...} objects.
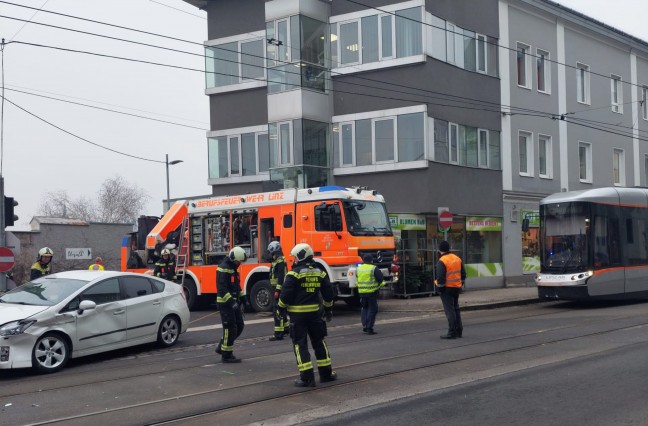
[{"x": 594, "y": 244}]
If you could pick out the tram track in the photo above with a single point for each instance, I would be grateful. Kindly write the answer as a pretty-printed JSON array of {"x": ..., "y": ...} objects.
[{"x": 280, "y": 381}]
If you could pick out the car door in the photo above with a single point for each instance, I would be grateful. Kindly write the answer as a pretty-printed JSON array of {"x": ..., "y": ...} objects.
[
  {"x": 106, "y": 324},
  {"x": 143, "y": 307}
]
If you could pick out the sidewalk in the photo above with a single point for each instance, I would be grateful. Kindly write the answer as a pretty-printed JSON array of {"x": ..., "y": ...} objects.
[{"x": 469, "y": 300}]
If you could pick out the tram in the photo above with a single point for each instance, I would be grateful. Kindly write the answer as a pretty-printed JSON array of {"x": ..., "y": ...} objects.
[{"x": 594, "y": 244}]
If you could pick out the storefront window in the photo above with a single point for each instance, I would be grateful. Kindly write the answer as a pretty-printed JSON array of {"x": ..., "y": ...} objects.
[
  {"x": 530, "y": 241},
  {"x": 483, "y": 246}
]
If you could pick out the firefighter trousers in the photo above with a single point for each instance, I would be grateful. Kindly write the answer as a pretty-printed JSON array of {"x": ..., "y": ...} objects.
[
  {"x": 302, "y": 327},
  {"x": 232, "y": 321}
]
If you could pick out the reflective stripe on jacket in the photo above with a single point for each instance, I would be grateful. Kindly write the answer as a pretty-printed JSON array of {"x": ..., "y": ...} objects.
[
  {"x": 367, "y": 282},
  {"x": 453, "y": 267},
  {"x": 278, "y": 272},
  {"x": 302, "y": 288}
]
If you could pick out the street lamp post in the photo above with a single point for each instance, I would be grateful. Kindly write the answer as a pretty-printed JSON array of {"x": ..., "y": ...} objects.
[{"x": 169, "y": 163}]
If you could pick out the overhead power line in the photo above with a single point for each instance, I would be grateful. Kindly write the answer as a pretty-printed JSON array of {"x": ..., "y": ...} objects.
[{"x": 77, "y": 136}]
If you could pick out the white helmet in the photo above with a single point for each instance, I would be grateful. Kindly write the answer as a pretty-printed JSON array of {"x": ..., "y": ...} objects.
[
  {"x": 165, "y": 251},
  {"x": 302, "y": 252},
  {"x": 274, "y": 247},
  {"x": 45, "y": 251},
  {"x": 237, "y": 253}
]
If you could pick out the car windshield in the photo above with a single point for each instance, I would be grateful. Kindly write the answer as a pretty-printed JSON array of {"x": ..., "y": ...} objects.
[
  {"x": 366, "y": 218},
  {"x": 43, "y": 291}
]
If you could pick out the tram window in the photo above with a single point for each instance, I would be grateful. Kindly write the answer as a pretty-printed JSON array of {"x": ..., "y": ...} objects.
[{"x": 635, "y": 249}]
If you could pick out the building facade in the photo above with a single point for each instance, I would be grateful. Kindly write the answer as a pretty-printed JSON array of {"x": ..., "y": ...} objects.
[
  {"x": 482, "y": 108},
  {"x": 573, "y": 93},
  {"x": 399, "y": 96}
]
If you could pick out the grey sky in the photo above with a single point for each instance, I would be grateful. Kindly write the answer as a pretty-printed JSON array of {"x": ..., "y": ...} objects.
[{"x": 40, "y": 158}]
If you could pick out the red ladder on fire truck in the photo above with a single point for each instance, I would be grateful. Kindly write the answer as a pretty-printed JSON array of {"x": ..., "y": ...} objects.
[{"x": 183, "y": 248}]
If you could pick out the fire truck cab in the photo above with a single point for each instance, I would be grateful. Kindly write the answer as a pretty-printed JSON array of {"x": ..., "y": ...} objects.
[{"x": 341, "y": 224}]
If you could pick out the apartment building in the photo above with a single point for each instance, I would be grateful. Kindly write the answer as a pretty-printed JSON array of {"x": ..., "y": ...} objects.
[
  {"x": 399, "y": 96},
  {"x": 573, "y": 93}
]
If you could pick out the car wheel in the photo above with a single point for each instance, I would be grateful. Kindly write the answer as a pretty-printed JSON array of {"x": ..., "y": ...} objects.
[
  {"x": 50, "y": 354},
  {"x": 169, "y": 331},
  {"x": 262, "y": 296}
]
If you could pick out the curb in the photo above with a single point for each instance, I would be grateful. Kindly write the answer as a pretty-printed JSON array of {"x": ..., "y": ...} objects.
[{"x": 470, "y": 307}]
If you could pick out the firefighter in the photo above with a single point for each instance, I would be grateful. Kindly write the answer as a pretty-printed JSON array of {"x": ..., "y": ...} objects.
[
  {"x": 300, "y": 296},
  {"x": 230, "y": 303},
  {"x": 370, "y": 279},
  {"x": 42, "y": 265},
  {"x": 277, "y": 275},
  {"x": 97, "y": 266},
  {"x": 165, "y": 266}
]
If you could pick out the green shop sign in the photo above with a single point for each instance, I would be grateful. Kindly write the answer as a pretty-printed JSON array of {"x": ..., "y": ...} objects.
[
  {"x": 478, "y": 223},
  {"x": 533, "y": 216},
  {"x": 407, "y": 222}
]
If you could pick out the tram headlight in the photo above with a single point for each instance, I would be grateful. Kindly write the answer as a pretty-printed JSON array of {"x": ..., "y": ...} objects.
[{"x": 582, "y": 275}]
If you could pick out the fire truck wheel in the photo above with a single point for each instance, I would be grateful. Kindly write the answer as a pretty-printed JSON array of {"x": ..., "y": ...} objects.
[
  {"x": 190, "y": 292},
  {"x": 262, "y": 296}
]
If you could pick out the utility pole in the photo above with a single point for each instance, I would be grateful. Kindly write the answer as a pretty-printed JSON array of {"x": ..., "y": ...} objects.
[{"x": 3, "y": 234}]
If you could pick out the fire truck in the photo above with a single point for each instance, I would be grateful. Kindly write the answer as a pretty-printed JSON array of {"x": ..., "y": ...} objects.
[{"x": 341, "y": 224}]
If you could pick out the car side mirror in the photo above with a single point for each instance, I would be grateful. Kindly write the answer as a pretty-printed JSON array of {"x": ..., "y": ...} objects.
[{"x": 86, "y": 305}]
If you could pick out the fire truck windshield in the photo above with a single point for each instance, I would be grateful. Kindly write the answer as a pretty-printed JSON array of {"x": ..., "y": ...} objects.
[{"x": 366, "y": 218}]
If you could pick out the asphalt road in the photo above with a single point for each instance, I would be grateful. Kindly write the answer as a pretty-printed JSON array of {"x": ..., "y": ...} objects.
[{"x": 551, "y": 363}]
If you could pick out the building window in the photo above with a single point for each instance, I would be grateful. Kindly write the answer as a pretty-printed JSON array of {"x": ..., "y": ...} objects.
[
  {"x": 281, "y": 144},
  {"x": 582, "y": 83},
  {"x": 411, "y": 137},
  {"x": 384, "y": 138},
  {"x": 482, "y": 51},
  {"x": 585, "y": 162},
  {"x": 454, "y": 143},
  {"x": 450, "y": 34},
  {"x": 523, "y": 66},
  {"x": 482, "y": 150},
  {"x": 378, "y": 37},
  {"x": 545, "y": 157},
  {"x": 646, "y": 170},
  {"x": 525, "y": 144},
  {"x": 618, "y": 167},
  {"x": 616, "y": 95},
  {"x": 347, "y": 139},
  {"x": 239, "y": 154},
  {"x": 644, "y": 103},
  {"x": 234, "y": 63},
  {"x": 263, "y": 153},
  {"x": 543, "y": 71}
]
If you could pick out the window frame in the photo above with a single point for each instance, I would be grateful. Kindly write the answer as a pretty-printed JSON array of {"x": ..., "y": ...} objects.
[
  {"x": 528, "y": 76},
  {"x": 477, "y": 56},
  {"x": 584, "y": 71},
  {"x": 291, "y": 143},
  {"x": 257, "y": 143},
  {"x": 241, "y": 64},
  {"x": 453, "y": 127},
  {"x": 588, "y": 162},
  {"x": 229, "y": 154},
  {"x": 357, "y": 21},
  {"x": 529, "y": 153},
  {"x": 353, "y": 143},
  {"x": 288, "y": 60},
  {"x": 616, "y": 88},
  {"x": 450, "y": 39},
  {"x": 380, "y": 38},
  {"x": 541, "y": 53},
  {"x": 618, "y": 167},
  {"x": 480, "y": 163},
  {"x": 374, "y": 153},
  {"x": 548, "y": 154}
]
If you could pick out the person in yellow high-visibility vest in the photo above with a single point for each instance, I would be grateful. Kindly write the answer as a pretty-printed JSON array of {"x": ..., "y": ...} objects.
[
  {"x": 451, "y": 274},
  {"x": 369, "y": 281},
  {"x": 97, "y": 266}
]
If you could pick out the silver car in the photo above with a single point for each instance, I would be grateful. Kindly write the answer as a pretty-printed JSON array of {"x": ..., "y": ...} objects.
[{"x": 72, "y": 314}]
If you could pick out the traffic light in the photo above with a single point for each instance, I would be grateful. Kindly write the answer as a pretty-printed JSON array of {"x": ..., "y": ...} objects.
[{"x": 10, "y": 217}]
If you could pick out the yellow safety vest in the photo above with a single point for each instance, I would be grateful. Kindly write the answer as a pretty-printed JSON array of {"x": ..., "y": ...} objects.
[{"x": 366, "y": 280}]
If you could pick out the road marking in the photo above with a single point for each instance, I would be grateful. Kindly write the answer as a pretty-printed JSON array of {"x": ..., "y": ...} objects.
[{"x": 217, "y": 326}]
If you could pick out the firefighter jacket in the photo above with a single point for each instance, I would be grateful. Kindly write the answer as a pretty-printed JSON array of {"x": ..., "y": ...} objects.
[
  {"x": 38, "y": 270},
  {"x": 278, "y": 272},
  {"x": 165, "y": 269},
  {"x": 370, "y": 279},
  {"x": 228, "y": 285},
  {"x": 302, "y": 287},
  {"x": 450, "y": 271}
]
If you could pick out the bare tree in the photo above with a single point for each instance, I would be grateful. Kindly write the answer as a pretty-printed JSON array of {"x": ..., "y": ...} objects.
[{"x": 118, "y": 202}]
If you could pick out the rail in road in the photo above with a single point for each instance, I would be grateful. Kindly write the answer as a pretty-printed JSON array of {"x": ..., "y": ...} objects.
[{"x": 184, "y": 385}]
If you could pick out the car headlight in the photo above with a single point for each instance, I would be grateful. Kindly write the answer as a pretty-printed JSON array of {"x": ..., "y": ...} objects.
[{"x": 15, "y": 327}]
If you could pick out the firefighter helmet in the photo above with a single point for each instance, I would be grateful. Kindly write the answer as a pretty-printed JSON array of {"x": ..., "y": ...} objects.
[
  {"x": 274, "y": 247},
  {"x": 45, "y": 251},
  {"x": 238, "y": 254},
  {"x": 165, "y": 251},
  {"x": 302, "y": 252}
]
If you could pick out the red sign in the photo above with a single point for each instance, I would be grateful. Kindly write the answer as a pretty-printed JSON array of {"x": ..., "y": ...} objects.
[
  {"x": 445, "y": 220},
  {"x": 6, "y": 259}
]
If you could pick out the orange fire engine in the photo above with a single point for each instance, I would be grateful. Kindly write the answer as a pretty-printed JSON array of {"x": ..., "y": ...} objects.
[{"x": 341, "y": 224}]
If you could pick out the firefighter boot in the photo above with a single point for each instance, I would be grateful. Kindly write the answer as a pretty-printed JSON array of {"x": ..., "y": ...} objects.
[
  {"x": 306, "y": 379},
  {"x": 230, "y": 359},
  {"x": 327, "y": 374}
]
